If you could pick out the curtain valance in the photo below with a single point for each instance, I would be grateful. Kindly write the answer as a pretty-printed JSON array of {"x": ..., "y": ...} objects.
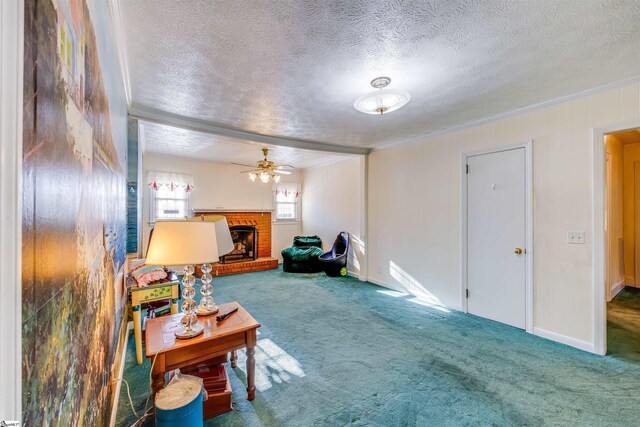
[{"x": 170, "y": 180}]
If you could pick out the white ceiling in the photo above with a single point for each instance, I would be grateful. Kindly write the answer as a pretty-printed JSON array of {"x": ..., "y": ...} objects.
[
  {"x": 294, "y": 68},
  {"x": 171, "y": 141}
]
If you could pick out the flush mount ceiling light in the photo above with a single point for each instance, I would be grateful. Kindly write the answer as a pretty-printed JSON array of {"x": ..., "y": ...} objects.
[{"x": 382, "y": 100}]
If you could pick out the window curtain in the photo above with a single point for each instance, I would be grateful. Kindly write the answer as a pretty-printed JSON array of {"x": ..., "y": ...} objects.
[
  {"x": 169, "y": 195},
  {"x": 287, "y": 192},
  {"x": 287, "y": 197},
  {"x": 169, "y": 180}
]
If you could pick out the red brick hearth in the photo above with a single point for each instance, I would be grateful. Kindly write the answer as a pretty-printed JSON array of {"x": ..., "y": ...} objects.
[{"x": 264, "y": 260}]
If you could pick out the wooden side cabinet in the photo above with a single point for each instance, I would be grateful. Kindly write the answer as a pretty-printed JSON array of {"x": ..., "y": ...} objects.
[{"x": 149, "y": 294}]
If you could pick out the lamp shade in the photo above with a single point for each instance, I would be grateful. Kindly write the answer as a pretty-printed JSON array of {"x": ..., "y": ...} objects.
[
  {"x": 223, "y": 235},
  {"x": 183, "y": 242}
]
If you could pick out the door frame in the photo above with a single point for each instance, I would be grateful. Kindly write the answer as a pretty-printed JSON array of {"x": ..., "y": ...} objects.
[
  {"x": 11, "y": 87},
  {"x": 608, "y": 172},
  {"x": 599, "y": 205},
  {"x": 528, "y": 244}
]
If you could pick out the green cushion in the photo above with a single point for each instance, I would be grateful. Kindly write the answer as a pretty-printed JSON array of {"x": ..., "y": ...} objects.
[
  {"x": 307, "y": 241},
  {"x": 301, "y": 254}
]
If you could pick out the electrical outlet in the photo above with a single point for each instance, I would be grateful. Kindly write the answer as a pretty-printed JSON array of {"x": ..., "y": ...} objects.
[
  {"x": 379, "y": 269},
  {"x": 575, "y": 237}
]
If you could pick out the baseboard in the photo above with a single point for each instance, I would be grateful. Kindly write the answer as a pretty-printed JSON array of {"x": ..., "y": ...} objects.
[
  {"x": 388, "y": 286},
  {"x": 381, "y": 283},
  {"x": 356, "y": 275},
  {"x": 116, "y": 393},
  {"x": 630, "y": 282},
  {"x": 563, "y": 339},
  {"x": 617, "y": 288}
]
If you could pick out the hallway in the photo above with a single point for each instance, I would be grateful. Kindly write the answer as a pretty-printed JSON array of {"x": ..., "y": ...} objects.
[{"x": 623, "y": 325}]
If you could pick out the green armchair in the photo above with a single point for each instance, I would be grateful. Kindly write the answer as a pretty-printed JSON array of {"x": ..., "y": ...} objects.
[{"x": 302, "y": 257}]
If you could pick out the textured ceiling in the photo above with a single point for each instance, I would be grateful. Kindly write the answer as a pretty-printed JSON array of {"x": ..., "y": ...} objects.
[
  {"x": 171, "y": 141},
  {"x": 294, "y": 68}
]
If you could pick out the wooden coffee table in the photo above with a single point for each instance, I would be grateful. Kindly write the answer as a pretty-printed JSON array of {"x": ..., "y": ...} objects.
[{"x": 236, "y": 332}]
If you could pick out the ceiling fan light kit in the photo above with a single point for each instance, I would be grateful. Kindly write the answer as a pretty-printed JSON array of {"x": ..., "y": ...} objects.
[
  {"x": 382, "y": 100},
  {"x": 267, "y": 170}
]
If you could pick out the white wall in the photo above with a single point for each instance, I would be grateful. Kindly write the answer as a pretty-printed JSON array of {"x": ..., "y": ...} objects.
[
  {"x": 282, "y": 237},
  {"x": 333, "y": 201},
  {"x": 414, "y": 207},
  {"x": 220, "y": 186}
]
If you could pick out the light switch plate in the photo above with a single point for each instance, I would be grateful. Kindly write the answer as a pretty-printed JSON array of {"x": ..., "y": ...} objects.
[{"x": 575, "y": 237}]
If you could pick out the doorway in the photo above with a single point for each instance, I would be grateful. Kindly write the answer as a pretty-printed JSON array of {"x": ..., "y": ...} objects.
[
  {"x": 622, "y": 242},
  {"x": 497, "y": 230}
]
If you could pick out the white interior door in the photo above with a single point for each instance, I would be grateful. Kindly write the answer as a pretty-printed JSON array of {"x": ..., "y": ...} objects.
[{"x": 496, "y": 231}]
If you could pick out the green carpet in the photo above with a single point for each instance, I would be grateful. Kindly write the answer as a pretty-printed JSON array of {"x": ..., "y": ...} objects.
[{"x": 337, "y": 351}]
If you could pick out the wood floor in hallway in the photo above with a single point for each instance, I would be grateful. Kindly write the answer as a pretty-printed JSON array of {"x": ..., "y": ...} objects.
[{"x": 623, "y": 325}]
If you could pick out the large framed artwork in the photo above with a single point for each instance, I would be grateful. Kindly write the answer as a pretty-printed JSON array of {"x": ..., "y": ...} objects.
[{"x": 74, "y": 212}]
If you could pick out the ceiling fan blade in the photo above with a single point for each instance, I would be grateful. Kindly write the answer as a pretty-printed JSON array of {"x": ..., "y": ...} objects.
[
  {"x": 252, "y": 170},
  {"x": 242, "y": 164},
  {"x": 284, "y": 167},
  {"x": 281, "y": 172}
]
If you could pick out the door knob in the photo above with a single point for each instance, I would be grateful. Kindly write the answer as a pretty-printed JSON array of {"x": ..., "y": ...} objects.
[{"x": 518, "y": 251}]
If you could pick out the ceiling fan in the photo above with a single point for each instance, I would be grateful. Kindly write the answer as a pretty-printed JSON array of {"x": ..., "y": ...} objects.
[{"x": 266, "y": 169}]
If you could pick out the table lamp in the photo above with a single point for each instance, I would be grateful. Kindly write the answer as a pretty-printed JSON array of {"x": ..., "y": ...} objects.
[
  {"x": 225, "y": 245},
  {"x": 185, "y": 243}
]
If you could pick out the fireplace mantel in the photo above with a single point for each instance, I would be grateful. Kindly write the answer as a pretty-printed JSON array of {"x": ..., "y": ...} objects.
[{"x": 200, "y": 211}]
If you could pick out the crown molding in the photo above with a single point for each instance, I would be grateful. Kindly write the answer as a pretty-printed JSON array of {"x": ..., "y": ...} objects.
[
  {"x": 512, "y": 113},
  {"x": 121, "y": 46},
  {"x": 205, "y": 126}
]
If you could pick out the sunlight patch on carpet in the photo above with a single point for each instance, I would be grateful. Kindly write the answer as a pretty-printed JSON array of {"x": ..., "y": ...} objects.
[
  {"x": 421, "y": 295},
  {"x": 273, "y": 365}
]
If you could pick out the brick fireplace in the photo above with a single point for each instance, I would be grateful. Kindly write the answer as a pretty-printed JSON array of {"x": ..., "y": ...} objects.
[
  {"x": 245, "y": 240},
  {"x": 240, "y": 260}
]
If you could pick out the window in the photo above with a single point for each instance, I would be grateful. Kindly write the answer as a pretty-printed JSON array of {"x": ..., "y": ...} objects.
[
  {"x": 170, "y": 204},
  {"x": 169, "y": 195},
  {"x": 287, "y": 202}
]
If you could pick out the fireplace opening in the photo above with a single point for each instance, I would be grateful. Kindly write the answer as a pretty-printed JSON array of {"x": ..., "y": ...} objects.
[{"x": 245, "y": 238}]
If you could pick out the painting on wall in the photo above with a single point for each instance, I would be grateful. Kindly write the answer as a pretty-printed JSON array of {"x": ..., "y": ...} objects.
[{"x": 74, "y": 212}]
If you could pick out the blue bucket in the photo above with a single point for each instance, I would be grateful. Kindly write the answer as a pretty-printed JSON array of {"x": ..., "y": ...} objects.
[{"x": 189, "y": 415}]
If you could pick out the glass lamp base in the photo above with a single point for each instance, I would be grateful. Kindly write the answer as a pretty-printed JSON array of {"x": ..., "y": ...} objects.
[
  {"x": 202, "y": 311},
  {"x": 196, "y": 330}
]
